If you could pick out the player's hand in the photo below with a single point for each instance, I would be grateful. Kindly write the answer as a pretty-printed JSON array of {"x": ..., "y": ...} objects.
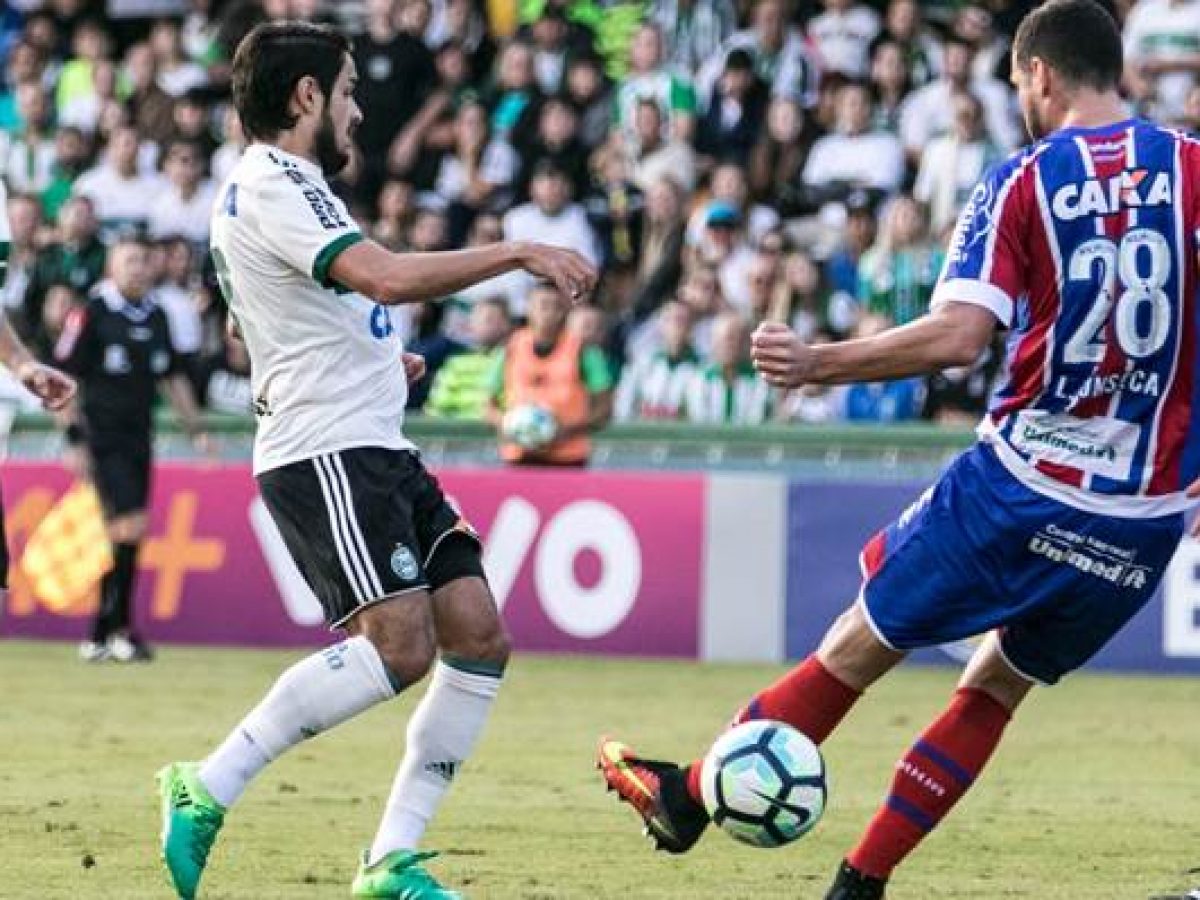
[
  {"x": 570, "y": 272},
  {"x": 203, "y": 444},
  {"x": 414, "y": 367},
  {"x": 54, "y": 388},
  {"x": 779, "y": 356}
]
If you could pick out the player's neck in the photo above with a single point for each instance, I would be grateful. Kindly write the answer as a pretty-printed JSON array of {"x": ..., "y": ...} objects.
[
  {"x": 296, "y": 144},
  {"x": 1094, "y": 109}
]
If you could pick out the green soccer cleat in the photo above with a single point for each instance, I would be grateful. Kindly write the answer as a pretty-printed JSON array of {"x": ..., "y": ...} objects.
[
  {"x": 400, "y": 876},
  {"x": 191, "y": 820}
]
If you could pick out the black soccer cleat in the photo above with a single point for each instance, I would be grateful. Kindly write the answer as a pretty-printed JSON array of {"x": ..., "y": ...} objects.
[
  {"x": 852, "y": 884},
  {"x": 658, "y": 791}
]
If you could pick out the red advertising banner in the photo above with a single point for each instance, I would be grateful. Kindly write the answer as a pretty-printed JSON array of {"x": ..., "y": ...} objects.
[{"x": 604, "y": 562}]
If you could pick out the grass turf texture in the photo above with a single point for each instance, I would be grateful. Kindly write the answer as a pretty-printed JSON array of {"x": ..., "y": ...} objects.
[{"x": 1093, "y": 795}]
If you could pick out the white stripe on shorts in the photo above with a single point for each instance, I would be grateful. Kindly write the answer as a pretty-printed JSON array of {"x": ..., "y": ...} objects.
[
  {"x": 338, "y": 531},
  {"x": 356, "y": 531}
]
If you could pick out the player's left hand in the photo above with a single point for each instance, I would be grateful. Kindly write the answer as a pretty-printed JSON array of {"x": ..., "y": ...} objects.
[
  {"x": 414, "y": 367},
  {"x": 779, "y": 356},
  {"x": 54, "y": 388}
]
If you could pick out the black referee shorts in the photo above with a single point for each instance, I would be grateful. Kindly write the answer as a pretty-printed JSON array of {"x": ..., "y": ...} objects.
[
  {"x": 366, "y": 524},
  {"x": 121, "y": 476}
]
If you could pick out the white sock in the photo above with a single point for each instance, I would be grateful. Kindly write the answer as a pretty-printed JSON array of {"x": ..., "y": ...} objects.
[
  {"x": 441, "y": 734},
  {"x": 317, "y": 693}
]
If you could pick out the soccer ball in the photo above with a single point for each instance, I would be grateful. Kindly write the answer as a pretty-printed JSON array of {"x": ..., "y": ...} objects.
[
  {"x": 764, "y": 783},
  {"x": 529, "y": 426}
]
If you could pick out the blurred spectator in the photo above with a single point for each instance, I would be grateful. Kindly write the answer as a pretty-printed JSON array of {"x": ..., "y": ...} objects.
[
  {"x": 805, "y": 301},
  {"x": 231, "y": 149},
  {"x": 549, "y": 37},
  {"x": 953, "y": 164},
  {"x": 777, "y": 160},
  {"x": 70, "y": 158},
  {"x": 898, "y": 274},
  {"x": 727, "y": 389},
  {"x": 184, "y": 202},
  {"x": 660, "y": 259},
  {"x": 545, "y": 365},
  {"x": 990, "y": 50},
  {"x": 587, "y": 90},
  {"x": 223, "y": 379},
  {"x": 730, "y": 126},
  {"x": 853, "y": 157},
  {"x": 192, "y": 123},
  {"x": 928, "y": 112},
  {"x": 700, "y": 292},
  {"x": 781, "y": 58},
  {"x": 27, "y": 155},
  {"x": 460, "y": 389},
  {"x": 19, "y": 256},
  {"x": 1162, "y": 54},
  {"x": 654, "y": 156},
  {"x": 890, "y": 85},
  {"x": 76, "y": 259},
  {"x": 761, "y": 279},
  {"x": 175, "y": 293},
  {"x": 90, "y": 44},
  {"x": 843, "y": 34},
  {"x": 654, "y": 385},
  {"x": 461, "y": 22},
  {"x": 478, "y": 174},
  {"x": 650, "y": 79},
  {"x": 693, "y": 30},
  {"x": 551, "y": 217},
  {"x": 959, "y": 396},
  {"x": 397, "y": 209},
  {"x": 615, "y": 211},
  {"x": 24, "y": 65},
  {"x": 152, "y": 108},
  {"x": 510, "y": 288},
  {"x": 85, "y": 110},
  {"x": 728, "y": 183},
  {"x": 176, "y": 73},
  {"x": 589, "y": 323},
  {"x": 858, "y": 236},
  {"x": 881, "y": 401},
  {"x": 903, "y": 26},
  {"x": 723, "y": 246},
  {"x": 514, "y": 98},
  {"x": 557, "y": 140}
]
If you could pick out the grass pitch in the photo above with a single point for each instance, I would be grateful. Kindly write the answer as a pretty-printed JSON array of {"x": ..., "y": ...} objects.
[{"x": 1095, "y": 793}]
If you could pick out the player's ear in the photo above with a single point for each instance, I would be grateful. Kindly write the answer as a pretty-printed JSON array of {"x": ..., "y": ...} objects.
[{"x": 307, "y": 95}]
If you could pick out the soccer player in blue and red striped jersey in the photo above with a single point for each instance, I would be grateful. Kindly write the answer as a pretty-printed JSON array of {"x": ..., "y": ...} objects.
[{"x": 1056, "y": 528}]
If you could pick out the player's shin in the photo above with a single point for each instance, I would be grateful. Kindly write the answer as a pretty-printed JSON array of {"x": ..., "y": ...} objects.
[
  {"x": 314, "y": 695},
  {"x": 441, "y": 735},
  {"x": 809, "y": 698},
  {"x": 930, "y": 778}
]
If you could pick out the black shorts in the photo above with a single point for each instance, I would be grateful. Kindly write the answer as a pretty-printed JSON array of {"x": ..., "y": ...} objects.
[
  {"x": 121, "y": 476},
  {"x": 366, "y": 524},
  {"x": 3, "y": 556}
]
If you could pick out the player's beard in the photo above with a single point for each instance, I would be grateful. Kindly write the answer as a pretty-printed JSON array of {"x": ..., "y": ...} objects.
[
  {"x": 330, "y": 158},
  {"x": 1033, "y": 122}
]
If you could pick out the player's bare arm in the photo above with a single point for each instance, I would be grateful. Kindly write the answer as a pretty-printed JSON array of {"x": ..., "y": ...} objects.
[
  {"x": 54, "y": 388},
  {"x": 183, "y": 399},
  {"x": 414, "y": 367},
  {"x": 953, "y": 334},
  {"x": 394, "y": 278}
]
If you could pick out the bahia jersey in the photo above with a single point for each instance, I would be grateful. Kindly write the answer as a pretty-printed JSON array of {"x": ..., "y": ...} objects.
[
  {"x": 1085, "y": 246},
  {"x": 325, "y": 362}
]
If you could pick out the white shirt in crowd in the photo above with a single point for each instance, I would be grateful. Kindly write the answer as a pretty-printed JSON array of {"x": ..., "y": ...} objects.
[
  {"x": 183, "y": 317},
  {"x": 570, "y": 229},
  {"x": 498, "y": 166},
  {"x": 949, "y": 171},
  {"x": 173, "y": 214},
  {"x": 872, "y": 159},
  {"x": 181, "y": 79},
  {"x": 325, "y": 361},
  {"x": 928, "y": 112},
  {"x": 1160, "y": 30},
  {"x": 843, "y": 39},
  {"x": 118, "y": 200},
  {"x": 26, "y": 168}
]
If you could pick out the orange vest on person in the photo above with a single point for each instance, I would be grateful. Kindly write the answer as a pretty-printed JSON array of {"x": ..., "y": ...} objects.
[{"x": 553, "y": 382}]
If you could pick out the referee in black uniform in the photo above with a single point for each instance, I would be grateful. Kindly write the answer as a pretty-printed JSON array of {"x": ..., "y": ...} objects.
[{"x": 118, "y": 346}]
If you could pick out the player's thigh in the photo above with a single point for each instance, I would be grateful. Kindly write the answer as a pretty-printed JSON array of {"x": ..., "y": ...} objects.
[
  {"x": 853, "y": 653},
  {"x": 991, "y": 672},
  {"x": 1105, "y": 571}
]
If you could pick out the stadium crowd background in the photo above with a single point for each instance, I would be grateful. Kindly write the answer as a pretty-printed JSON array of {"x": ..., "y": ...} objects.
[{"x": 724, "y": 161}]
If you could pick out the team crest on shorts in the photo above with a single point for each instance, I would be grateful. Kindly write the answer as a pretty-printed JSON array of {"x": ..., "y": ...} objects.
[{"x": 404, "y": 564}]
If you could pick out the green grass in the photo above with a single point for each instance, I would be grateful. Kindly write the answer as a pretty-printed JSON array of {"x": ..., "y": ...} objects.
[{"x": 1095, "y": 794}]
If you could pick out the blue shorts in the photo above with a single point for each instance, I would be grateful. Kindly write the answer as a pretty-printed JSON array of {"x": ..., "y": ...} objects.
[{"x": 979, "y": 551}]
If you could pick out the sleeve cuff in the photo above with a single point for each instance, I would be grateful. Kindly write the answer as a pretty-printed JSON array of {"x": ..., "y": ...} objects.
[
  {"x": 978, "y": 293},
  {"x": 328, "y": 253}
]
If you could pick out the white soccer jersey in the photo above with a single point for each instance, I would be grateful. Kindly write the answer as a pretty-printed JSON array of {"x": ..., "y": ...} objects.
[
  {"x": 5, "y": 234},
  {"x": 325, "y": 362}
]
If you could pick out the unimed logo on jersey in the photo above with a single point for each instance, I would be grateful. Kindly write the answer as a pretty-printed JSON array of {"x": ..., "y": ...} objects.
[{"x": 1108, "y": 196}]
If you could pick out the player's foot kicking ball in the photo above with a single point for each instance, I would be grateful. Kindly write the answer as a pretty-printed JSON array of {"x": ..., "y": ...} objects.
[
  {"x": 191, "y": 820},
  {"x": 658, "y": 791},
  {"x": 852, "y": 884},
  {"x": 400, "y": 876}
]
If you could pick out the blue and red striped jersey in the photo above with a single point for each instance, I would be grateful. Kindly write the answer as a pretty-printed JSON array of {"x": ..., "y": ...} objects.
[{"x": 1084, "y": 246}]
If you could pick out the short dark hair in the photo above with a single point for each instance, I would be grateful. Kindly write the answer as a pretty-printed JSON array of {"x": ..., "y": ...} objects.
[
  {"x": 270, "y": 61},
  {"x": 1079, "y": 39}
]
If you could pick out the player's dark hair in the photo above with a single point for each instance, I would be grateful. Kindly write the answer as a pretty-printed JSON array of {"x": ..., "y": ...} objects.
[
  {"x": 1079, "y": 39},
  {"x": 270, "y": 61}
]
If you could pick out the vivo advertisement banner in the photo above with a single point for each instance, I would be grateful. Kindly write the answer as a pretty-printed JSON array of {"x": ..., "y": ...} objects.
[
  {"x": 829, "y": 523},
  {"x": 576, "y": 563}
]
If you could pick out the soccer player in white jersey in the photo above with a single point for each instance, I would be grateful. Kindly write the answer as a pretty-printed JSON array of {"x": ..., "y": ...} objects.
[{"x": 392, "y": 563}]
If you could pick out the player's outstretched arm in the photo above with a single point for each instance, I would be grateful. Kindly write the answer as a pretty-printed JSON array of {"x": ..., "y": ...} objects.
[
  {"x": 953, "y": 334},
  {"x": 392, "y": 278}
]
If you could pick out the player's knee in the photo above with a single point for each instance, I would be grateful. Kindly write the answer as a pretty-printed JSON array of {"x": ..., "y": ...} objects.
[
  {"x": 407, "y": 660},
  {"x": 488, "y": 642}
]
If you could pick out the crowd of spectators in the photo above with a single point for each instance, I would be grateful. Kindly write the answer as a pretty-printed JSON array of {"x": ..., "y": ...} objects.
[{"x": 722, "y": 161}]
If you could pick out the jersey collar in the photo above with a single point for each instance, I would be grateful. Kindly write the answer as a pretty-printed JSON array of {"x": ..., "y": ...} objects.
[{"x": 288, "y": 160}]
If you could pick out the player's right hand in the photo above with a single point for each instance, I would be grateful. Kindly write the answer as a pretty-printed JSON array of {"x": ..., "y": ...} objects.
[
  {"x": 779, "y": 356},
  {"x": 54, "y": 388},
  {"x": 570, "y": 272}
]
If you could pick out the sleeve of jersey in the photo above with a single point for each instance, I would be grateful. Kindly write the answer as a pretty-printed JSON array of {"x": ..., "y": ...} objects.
[
  {"x": 985, "y": 265},
  {"x": 304, "y": 224}
]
